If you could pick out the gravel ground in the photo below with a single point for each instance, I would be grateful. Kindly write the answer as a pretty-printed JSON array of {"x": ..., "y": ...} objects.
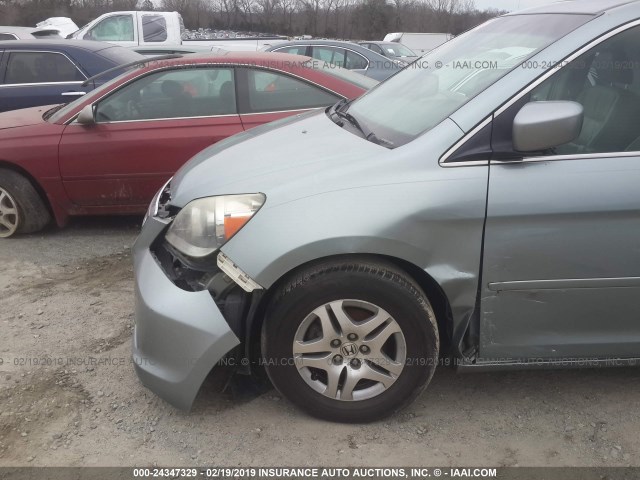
[{"x": 68, "y": 294}]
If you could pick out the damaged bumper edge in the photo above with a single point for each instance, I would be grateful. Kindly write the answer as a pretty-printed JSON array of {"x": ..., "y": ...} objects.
[
  {"x": 236, "y": 274},
  {"x": 179, "y": 336}
]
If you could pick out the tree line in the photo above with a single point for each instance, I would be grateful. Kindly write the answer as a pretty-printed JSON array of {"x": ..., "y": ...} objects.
[{"x": 346, "y": 19}]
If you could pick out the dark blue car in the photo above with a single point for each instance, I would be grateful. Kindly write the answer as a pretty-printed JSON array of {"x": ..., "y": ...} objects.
[{"x": 45, "y": 72}]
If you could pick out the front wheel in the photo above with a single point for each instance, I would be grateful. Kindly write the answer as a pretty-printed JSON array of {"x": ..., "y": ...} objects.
[
  {"x": 350, "y": 341},
  {"x": 21, "y": 208}
]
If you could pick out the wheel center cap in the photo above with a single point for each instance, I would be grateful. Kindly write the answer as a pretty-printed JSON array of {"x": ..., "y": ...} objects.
[{"x": 349, "y": 349}]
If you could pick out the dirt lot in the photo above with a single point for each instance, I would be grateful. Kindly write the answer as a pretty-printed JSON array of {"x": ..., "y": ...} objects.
[{"x": 69, "y": 295}]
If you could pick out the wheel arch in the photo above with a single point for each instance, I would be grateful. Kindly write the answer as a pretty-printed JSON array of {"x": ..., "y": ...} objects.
[
  {"x": 32, "y": 180},
  {"x": 57, "y": 213},
  {"x": 434, "y": 292}
]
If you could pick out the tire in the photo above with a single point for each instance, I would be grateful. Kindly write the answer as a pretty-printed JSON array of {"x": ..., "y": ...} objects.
[
  {"x": 330, "y": 381},
  {"x": 21, "y": 208}
]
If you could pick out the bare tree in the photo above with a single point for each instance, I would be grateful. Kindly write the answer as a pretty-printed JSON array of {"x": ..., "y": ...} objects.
[
  {"x": 247, "y": 7},
  {"x": 371, "y": 18},
  {"x": 445, "y": 10},
  {"x": 229, "y": 10},
  {"x": 267, "y": 10},
  {"x": 401, "y": 9},
  {"x": 355, "y": 19},
  {"x": 8, "y": 12},
  {"x": 288, "y": 8},
  {"x": 175, "y": 5},
  {"x": 311, "y": 11},
  {"x": 124, "y": 4}
]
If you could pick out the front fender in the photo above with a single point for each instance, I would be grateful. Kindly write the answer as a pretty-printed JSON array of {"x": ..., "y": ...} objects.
[{"x": 436, "y": 225}]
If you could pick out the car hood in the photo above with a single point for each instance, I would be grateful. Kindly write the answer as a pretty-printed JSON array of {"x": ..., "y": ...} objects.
[
  {"x": 23, "y": 117},
  {"x": 286, "y": 160}
]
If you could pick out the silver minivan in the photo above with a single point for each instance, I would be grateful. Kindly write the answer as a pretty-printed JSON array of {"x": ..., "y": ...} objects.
[{"x": 479, "y": 209}]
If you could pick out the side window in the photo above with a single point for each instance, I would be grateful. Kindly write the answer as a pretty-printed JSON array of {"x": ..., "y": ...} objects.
[
  {"x": 605, "y": 81},
  {"x": 117, "y": 28},
  {"x": 355, "y": 61},
  {"x": 270, "y": 92},
  {"x": 196, "y": 92},
  {"x": 377, "y": 49},
  {"x": 296, "y": 50},
  {"x": 332, "y": 55},
  {"x": 7, "y": 36},
  {"x": 154, "y": 28},
  {"x": 41, "y": 67}
]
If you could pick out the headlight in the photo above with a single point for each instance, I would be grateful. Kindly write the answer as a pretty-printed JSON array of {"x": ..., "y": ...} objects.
[{"x": 206, "y": 224}]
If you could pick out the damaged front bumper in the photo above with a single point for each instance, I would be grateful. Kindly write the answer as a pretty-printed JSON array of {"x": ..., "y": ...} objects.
[{"x": 179, "y": 335}]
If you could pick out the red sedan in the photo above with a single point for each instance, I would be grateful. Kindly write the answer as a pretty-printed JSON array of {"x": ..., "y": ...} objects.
[{"x": 111, "y": 150}]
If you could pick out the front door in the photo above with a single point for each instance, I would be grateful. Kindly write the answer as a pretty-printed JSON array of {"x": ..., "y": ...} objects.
[
  {"x": 561, "y": 267},
  {"x": 144, "y": 132},
  {"x": 118, "y": 28}
]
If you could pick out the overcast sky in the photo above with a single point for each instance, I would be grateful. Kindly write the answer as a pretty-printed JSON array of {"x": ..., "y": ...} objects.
[{"x": 509, "y": 4}]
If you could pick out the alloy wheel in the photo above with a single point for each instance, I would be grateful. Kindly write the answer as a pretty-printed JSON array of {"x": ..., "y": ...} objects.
[
  {"x": 8, "y": 214},
  {"x": 349, "y": 350}
]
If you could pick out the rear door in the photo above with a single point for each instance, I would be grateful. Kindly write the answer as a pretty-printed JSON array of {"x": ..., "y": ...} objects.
[
  {"x": 341, "y": 57},
  {"x": 331, "y": 55},
  {"x": 144, "y": 132},
  {"x": 34, "y": 78},
  {"x": 266, "y": 95}
]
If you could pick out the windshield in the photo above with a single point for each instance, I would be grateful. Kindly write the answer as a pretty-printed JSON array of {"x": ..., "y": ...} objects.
[
  {"x": 432, "y": 88},
  {"x": 116, "y": 72},
  {"x": 354, "y": 78},
  {"x": 71, "y": 35},
  {"x": 398, "y": 50}
]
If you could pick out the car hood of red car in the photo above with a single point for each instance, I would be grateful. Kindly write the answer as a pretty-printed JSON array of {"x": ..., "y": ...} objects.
[{"x": 24, "y": 117}]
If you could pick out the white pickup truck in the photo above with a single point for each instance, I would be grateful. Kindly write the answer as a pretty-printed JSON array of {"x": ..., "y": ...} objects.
[{"x": 135, "y": 28}]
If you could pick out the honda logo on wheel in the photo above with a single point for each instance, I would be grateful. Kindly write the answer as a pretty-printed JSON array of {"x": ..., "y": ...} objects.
[{"x": 349, "y": 349}]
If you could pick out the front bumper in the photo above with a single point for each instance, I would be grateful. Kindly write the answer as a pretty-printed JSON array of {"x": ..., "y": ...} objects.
[{"x": 179, "y": 335}]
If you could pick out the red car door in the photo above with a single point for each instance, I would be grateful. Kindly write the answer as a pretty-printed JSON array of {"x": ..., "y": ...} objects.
[
  {"x": 266, "y": 95},
  {"x": 144, "y": 131}
]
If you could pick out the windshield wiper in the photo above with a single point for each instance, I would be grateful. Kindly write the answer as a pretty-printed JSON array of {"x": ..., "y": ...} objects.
[
  {"x": 334, "y": 108},
  {"x": 140, "y": 62},
  {"x": 49, "y": 113},
  {"x": 340, "y": 110}
]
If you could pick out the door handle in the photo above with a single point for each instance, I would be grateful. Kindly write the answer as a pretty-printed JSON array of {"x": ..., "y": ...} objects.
[{"x": 73, "y": 94}]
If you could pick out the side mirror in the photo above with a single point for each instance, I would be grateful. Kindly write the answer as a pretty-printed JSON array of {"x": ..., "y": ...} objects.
[
  {"x": 539, "y": 126},
  {"x": 86, "y": 116}
]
